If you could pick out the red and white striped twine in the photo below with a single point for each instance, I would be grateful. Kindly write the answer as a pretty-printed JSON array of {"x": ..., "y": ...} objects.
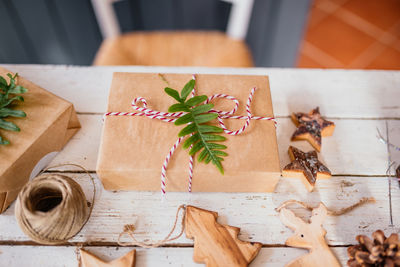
[{"x": 142, "y": 110}]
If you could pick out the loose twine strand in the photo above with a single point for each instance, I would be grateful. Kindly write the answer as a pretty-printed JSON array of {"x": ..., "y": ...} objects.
[
  {"x": 130, "y": 228},
  {"x": 330, "y": 211},
  {"x": 52, "y": 208}
]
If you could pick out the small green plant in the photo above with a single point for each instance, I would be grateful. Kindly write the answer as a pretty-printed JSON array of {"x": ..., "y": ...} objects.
[
  {"x": 203, "y": 136},
  {"x": 7, "y": 97}
]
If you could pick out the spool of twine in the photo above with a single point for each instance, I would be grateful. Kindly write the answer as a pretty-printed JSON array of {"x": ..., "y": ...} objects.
[{"x": 51, "y": 209}]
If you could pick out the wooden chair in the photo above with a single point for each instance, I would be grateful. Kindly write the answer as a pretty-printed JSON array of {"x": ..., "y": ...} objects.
[{"x": 175, "y": 48}]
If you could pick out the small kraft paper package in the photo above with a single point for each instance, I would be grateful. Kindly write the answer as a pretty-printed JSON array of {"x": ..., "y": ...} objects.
[
  {"x": 49, "y": 123},
  {"x": 133, "y": 149}
]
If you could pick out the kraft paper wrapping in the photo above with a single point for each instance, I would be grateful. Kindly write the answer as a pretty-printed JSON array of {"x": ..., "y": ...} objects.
[
  {"x": 133, "y": 149},
  {"x": 49, "y": 124}
]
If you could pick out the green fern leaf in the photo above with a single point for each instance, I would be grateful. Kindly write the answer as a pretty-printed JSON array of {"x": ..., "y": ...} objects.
[
  {"x": 188, "y": 130},
  {"x": 202, "y": 109},
  {"x": 202, "y": 118},
  {"x": 196, "y": 100},
  {"x": 173, "y": 93},
  {"x": 203, "y": 136},
  {"x": 191, "y": 140},
  {"x": 178, "y": 107},
  {"x": 3, "y": 142},
  {"x": 187, "y": 89},
  {"x": 6, "y": 101},
  {"x": 184, "y": 119},
  {"x": 5, "y": 112}
]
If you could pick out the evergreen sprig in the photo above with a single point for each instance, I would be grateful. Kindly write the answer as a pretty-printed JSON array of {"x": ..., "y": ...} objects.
[
  {"x": 7, "y": 97},
  {"x": 203, "y": 136}
]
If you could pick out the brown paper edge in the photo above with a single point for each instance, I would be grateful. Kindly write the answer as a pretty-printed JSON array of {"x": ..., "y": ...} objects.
[{"x": 73, "y": 125}]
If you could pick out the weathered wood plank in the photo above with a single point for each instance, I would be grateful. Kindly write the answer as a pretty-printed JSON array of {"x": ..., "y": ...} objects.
[
  {"x": 254, "y": 213},
  {"x": 394, "y": 138},
  {"x": 344, "y": 153},
  {"x": 353, "y": 149},
  {"x": 66, "y": 256},
  {"x": 339, "y": 93}
]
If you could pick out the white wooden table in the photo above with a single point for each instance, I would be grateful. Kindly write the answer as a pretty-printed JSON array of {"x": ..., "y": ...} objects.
[{"x": 358, "y": 102}]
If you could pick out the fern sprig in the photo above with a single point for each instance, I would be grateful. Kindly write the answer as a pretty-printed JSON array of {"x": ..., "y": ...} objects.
[
  {"x": 7, "y": 98},
  {"x": 203, "y": 136}
]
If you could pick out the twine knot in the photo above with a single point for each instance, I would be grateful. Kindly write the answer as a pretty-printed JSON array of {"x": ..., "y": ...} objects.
[{"x": 129, "y": 228}]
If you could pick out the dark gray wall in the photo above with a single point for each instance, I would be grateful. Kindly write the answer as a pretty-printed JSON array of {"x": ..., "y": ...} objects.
[
  {"x": 48, "y": 31},
  {"x": 275, "y": 32},
  {"x": 66, "y": 31}
]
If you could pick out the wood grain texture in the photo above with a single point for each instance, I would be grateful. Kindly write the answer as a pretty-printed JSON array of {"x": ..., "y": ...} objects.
[
  {"x": 394, "y": 184},
  {"x": 310, "y": 236},
  {"x": 365, "y": 101},
  {"x": 254, "y": 213},
  {"x": 176, "y": 257},
  {"x": 339, "y": 93},
  {"x": 216, "y": 244},
  {"x": 343, "y": 153}
]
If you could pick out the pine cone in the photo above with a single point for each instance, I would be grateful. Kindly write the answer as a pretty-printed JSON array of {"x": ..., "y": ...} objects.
[{"x": 379, "y": 252}]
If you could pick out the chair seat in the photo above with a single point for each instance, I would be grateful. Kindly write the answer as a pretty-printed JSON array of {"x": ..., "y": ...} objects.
[{"x": 191, "y": 48}]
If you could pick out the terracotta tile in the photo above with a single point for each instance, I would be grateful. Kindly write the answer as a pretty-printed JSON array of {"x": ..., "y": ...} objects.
[
  {"x": 307, "y": 62},
  {"x": 396, "y": 45},
  {"x": 337, "y": 2},
  {"x": 381, "y": 13},
  {"x": 329, "y": 6},
  {"x": 315, "y": 16},
  {"x": 368, "y": 56},
  {"x": 338, "y": 39},
  {"x": 389, "y": 59},
  {"x": 395, "y": 30}
]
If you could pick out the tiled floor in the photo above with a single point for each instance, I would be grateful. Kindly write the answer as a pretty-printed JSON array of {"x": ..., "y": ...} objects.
[{"x": 361, "y": 34}]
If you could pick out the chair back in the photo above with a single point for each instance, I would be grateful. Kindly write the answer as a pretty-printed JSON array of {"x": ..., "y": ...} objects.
[{"x": 238, "y": 22}]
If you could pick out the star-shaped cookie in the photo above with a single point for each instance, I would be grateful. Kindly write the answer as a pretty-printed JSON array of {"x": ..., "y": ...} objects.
[
  {"x": 89, "y": 260},
  {"x": 311, "y": 127},
  {"x": 305, "y": 166}
]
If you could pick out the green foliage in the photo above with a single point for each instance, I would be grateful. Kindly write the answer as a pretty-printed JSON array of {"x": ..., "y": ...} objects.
[
  {"x": 7, "y": 98},
  {"x": 203, "y": 136}
]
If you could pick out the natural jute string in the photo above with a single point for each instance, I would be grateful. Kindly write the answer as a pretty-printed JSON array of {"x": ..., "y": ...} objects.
[
  {"x": 330, "y": 212},
  {"x": 52, "y": 208},
  {"x": 130, "y": 228}
]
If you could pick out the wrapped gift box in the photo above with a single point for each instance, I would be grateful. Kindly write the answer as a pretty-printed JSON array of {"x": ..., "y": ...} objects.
[
  {"x": 133, "y": 149},
  {"x": 50, "y": 122}
]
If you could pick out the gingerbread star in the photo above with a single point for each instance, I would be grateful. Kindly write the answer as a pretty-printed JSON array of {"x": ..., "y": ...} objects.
[
  {"x": 305, "y": 166},
  {"x": 89, "y": 260},
  {"x": 311, "y": 127}
]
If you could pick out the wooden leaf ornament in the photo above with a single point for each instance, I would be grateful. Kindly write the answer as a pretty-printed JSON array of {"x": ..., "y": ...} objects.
[
  {"x": 310, "y": 236},
  {"x": 216, "y": 244},
  {"x": 89, "y": 260}
]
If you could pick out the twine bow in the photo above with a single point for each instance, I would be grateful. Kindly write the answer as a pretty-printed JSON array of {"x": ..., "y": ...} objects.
[{"x": 139, "y": 104}]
